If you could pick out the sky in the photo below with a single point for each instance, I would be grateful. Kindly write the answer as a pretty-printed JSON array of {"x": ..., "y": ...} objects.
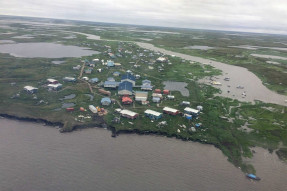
[{"x": 264, "y": 16}]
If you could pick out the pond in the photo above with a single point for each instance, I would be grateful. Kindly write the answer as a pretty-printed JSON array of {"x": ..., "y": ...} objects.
[
  {"x": 45, "y": 50},
  {"x": 177, "y": 86},
  {"x": 199, "y": 47},
  {"x": 67, "y": 105}
]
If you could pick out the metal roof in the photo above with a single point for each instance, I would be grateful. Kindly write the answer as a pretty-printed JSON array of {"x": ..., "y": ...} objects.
[
  {"x": 128, "y": 76},
  {"x": 106, "y": 99},
  {"x": 188, "y": 109},
  {"x": 126, "y": 86},
  {"x": 170, "y": 109},
  {"x": 128, "y": 112},
  {"x": 151, "y": 112}
]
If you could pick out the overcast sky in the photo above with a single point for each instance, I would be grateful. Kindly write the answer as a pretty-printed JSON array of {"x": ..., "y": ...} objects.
[{"x": 269, "y": 16}]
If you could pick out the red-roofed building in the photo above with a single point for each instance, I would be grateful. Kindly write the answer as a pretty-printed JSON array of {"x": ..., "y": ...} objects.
[
  {"x": 158, "y": 91},
  {"x": 127, "y": 100},
  {"x": 166, "y": 92}
]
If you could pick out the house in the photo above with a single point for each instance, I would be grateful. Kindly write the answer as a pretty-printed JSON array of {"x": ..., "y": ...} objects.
[
  {"x": 52, "y": 81},
  {"x": 93, "y": 109},
  {"x": 144, "y": 82},
  {"x": 111, "y": 84},
  {"x": 116, "y": 74},
  {"x": 30, "y": 89},
  {"x": 111, "y": 79},
  {"x": 141, "y": 96},
  {"x": 170, "y": 111},
  {"x": 152, "y": 114},
  {"x": 191, "y": 111},
  {"x": 156, "y": 99},
  {"x": 110, "y": 63},
  {"x": 69, "y": 79},
  {"x": 94, "y": 80},
  {"x": 157, "y": 95},
  {"x": 129, "y": 114},
  {"x": 106, "y": 101},
  {"x": 158, "y": 91},
  {"x": 128, "y": 77},
  {"x": 112, "y": 56},
  {"x": 147, "y": 87},
  {"x": 125, "y": 88},
  {"x": 166, "y": 92},
  {"x": 185, "y": 103},
  {"x": 55, "y": 87},
  {"x": 127, "y": 100},
  {"x": 137, "y": 76}
]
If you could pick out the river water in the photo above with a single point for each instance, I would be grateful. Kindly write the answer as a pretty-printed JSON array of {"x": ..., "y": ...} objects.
[
  {"x": 253, "y": 87},
  {"x": 239, "y": 76},
  {"x": 37, "y": 157}
]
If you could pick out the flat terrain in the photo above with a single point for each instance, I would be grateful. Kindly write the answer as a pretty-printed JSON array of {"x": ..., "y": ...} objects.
[{"x": 231, "y": 125}]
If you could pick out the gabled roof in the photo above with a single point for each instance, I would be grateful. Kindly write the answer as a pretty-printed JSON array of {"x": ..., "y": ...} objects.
[
  {"x": 111, "y": 83},
  {"x": 125, "y": 86},
  {"x": 128, "y": 76},
  {"x": 146, "y": 82}
]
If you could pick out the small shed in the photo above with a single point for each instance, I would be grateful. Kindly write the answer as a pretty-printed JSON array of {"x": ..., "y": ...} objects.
[
  {"x": 116, "y": 74},
  {"x": 69, "y": 79},
  {"x": 30, "y": 89},
  {"x": 110, "y": 63},
  {"x": 170, "y": 97},
  {"x": 185, "y": 103},
  {"x": 55, "y": 87},
  {"x": 52, "y": 81},
  {"x": 156, "y": 99},
  {"x": 94, "y": 80},
  {"x": 158, "y": 91},
  {"x": 93, "y": 109},
  {"x": 170, "y": 111},
  {"x": 70, "y": 109},
  {"x": 88, "y": 71},
  {"x": 128, "y": 114},
  {"x": 106, "y": 101},
  {"x": 152, "y": 114},
  {"x": 127, "y": 100}
]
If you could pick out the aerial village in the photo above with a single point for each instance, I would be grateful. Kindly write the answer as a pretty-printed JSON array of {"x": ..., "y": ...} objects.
[{"x": 122, "y": 90}]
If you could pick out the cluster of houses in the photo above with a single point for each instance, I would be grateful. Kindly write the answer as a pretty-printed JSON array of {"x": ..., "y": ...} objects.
[{"x": 189, "y": 113}]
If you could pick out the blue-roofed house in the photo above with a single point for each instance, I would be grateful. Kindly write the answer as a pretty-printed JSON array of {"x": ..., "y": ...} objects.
[
  {"x": 94, "y": 80},
  {"x": 129, "y": 78},
  {"x": 125, "y": 88},
  {"x": 146, "y": 82},
  {"x": 146, "y": 85},
  {"x": 110, "y": 63},
  {"x": 111, "y": 84},
  {"x": 106, "y": 101}
]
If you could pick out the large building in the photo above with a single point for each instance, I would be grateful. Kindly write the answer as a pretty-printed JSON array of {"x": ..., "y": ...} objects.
[
  {"x": 125, "y": 88},
  {"x": 129, "y": 78}
]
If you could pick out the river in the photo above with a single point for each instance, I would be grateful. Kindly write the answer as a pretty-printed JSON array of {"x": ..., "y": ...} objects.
[
  {"x": 239, "y": 76},
  {"x": 37, "y": 157}
]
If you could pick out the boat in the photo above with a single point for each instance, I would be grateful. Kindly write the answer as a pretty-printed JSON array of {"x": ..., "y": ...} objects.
[
  {"x": 227, "y": 79},
  {"x": 240, "y": 87},
  {"x": 253, "y": 177}
]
